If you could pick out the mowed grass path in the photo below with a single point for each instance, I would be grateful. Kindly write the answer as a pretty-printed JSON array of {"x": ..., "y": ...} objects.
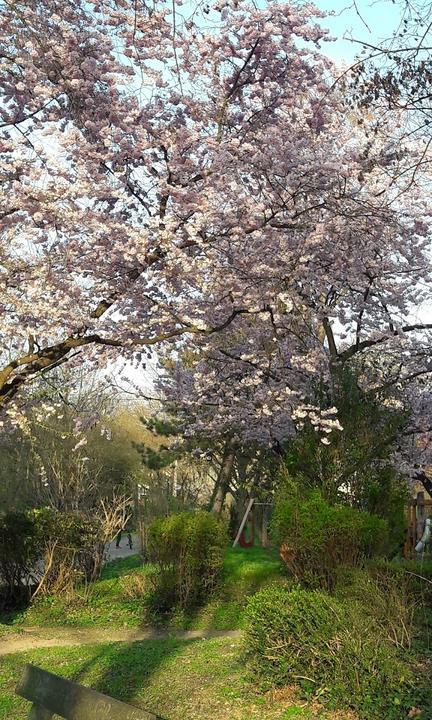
[{"x": 178, "y": 679}]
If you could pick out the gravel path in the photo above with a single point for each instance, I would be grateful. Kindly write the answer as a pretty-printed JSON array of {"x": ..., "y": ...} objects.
[{"x": 124, "y": 549}]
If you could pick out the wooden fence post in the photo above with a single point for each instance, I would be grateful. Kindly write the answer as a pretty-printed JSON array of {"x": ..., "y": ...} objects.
[
  {"x": 421, "y": 515},
  {"x": 264, "y": 527}
]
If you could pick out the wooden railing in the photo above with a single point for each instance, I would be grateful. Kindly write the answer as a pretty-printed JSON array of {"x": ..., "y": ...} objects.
[{"x": 51, "y": 694}]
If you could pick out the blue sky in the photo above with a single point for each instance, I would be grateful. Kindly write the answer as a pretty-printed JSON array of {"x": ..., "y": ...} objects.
[{"x": 381, "y": 17}]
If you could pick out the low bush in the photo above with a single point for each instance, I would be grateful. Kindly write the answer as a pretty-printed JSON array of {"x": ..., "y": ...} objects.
[
  {"x": 134, "y": 586},
  {"x": 44, "y": 552},
  {"x": 69, "y": 544},
  {"x": 284, "y": 631},
  {"x": 316, "y": 538},
  {"x": 385, "y": 594},
  {"x": 188, "y": 550},
  {"x": 18, "y": 556},
  {"x": 328, "y": 648},
  {"x": 418, "y": 572}
]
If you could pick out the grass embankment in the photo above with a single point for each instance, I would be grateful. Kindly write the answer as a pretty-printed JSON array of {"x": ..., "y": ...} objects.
[
  {"x": 121, "y": 597},
  {"x": 176, "y": 679}
]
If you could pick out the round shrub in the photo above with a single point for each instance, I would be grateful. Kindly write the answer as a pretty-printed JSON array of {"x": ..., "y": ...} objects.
[
  {"x": 188, "y": 550},
  {"x": 316, "y": 538},
  {"x": 327, "y": 647},
  {"x": 284, "y": 631}
]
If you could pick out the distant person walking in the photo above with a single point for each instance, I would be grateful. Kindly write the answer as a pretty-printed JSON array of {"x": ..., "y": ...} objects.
[
  {"x": 127, "y": 528},
  {"x": 118, "y": 538}
]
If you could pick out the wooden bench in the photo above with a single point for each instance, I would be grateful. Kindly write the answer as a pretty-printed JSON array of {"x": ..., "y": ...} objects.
[{"x": 51, "y": 694}]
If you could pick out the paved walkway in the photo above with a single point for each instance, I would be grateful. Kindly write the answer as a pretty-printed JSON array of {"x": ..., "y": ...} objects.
[
  {"x": 39, "y": 637},
  {"x": 124, "y": 549}
]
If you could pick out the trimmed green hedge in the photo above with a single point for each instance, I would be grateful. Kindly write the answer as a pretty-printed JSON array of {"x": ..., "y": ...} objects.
[
  {"x": 316, "y": 538},
  {"x": 188, "y": 550},
  {"x": 328, "y": 648}
]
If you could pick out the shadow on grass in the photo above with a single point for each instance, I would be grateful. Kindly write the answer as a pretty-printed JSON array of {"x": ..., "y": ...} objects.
[
  {"x": 13, "y": 608},
  {"x": 245, "y": 571},
  {"x": 129, "y": 672},
  {"x": 121, "y": 566},
  {"x": 124, "y": 671}
]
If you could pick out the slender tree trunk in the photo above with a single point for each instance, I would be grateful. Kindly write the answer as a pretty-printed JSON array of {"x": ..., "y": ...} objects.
[
  {"x": 224, "y": 478},
  {"x": 242, "y": 493}
]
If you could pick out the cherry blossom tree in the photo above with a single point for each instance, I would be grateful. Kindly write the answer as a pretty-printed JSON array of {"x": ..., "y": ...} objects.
[
  {"x": 191, "y": 177},
  {"x": 394, "y": 75}
]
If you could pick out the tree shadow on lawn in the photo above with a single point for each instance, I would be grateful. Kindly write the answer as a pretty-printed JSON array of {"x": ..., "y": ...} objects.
[
  {"x": 12, "y": 608},
  {"x": 124, "y": 670},
  {"x": 122, "y": 566},
  {"x": 244, "y": 573}
]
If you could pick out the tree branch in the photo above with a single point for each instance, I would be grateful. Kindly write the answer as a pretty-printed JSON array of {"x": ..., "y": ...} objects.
[{"x": 364, "y": 344}]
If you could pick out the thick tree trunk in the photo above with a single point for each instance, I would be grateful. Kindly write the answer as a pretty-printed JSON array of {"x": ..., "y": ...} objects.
[{"x": 224, "y": 478}]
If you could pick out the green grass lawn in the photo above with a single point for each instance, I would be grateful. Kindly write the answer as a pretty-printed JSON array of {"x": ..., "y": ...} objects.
[
  {"x": 121, "y": 597},
  {"x": 197, "y": 680},
  {"x": 175, "y": 678}
]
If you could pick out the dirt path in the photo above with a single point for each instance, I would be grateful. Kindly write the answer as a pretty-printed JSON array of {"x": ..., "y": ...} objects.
[{"x": 39, "y": 637}]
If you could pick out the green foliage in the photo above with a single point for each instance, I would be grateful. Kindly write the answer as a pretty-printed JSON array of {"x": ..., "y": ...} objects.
[
  {"x": 316, "y": 538},
  {"x": 244, "y": 572},
  {"x": 119, "y": 598},
  {"x": 70, "y": 529},
  {"x": 188, "y": 550},
  {"x": 135, "y": 586},
  {"x": 48, "y": 442},
  {"x": 284, "y": 630},
  {"x": 172, "y": 677},
  {"x": 163, "y": 455},
  {"x": 70, "y": 545},
  {"x": 18, "y": 555},
  {"x": 385, "y": 594},
  {"x": 385, "y": 494},
  {"x": 161, "y": 426},
  {"x": 121, "y": 566},
  {"x": 326, "y": 646},
  {"x": 419, "y": 574},
  {"x": 358, "y": 458}
]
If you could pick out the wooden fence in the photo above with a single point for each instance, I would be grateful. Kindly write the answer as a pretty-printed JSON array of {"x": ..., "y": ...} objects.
[{"x": 417, "y": 512}]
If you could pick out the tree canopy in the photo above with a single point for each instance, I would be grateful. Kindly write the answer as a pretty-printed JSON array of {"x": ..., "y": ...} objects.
[{"x": 194, "y": 176}]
